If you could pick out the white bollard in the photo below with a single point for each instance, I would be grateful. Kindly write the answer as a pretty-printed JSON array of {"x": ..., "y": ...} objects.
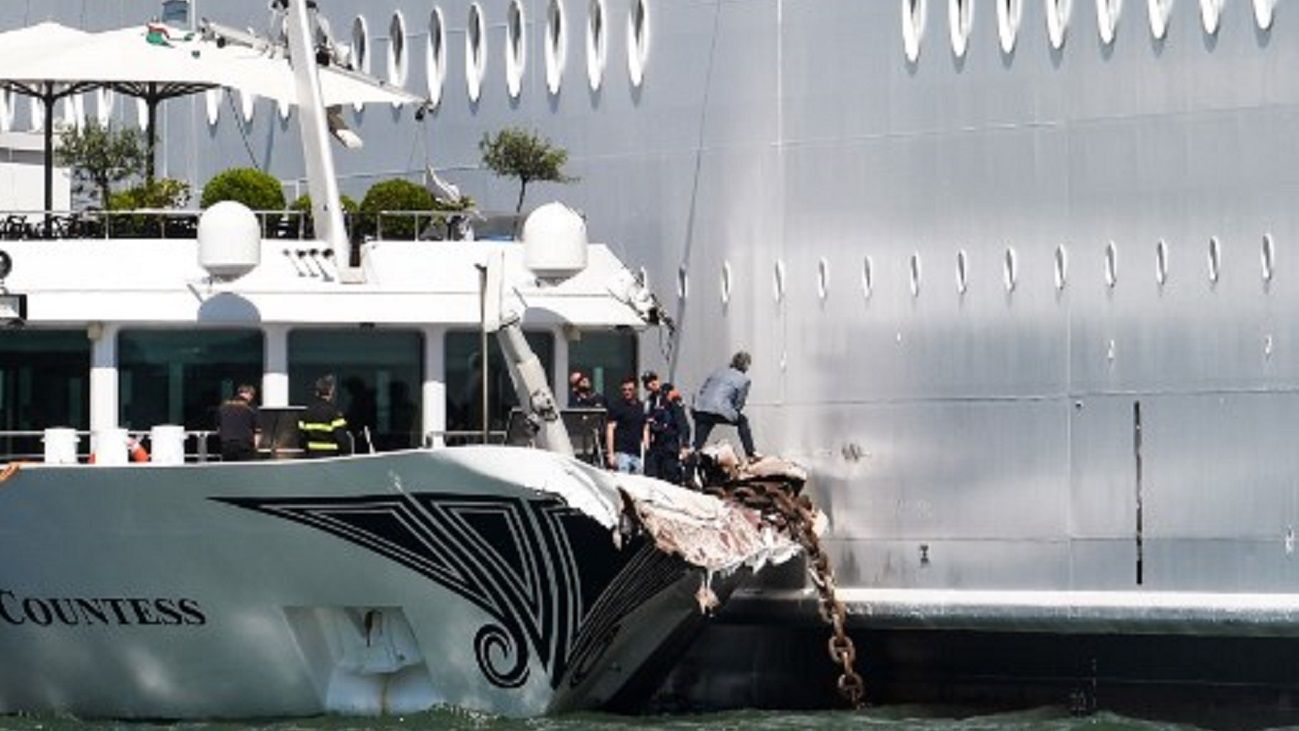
[
  {"x": 61, "y": 445},
  {"x": 167, "y": 444},
  {"x": 109, "y": 446}
]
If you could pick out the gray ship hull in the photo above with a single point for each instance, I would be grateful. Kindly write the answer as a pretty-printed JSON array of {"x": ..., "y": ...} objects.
[{"x": 357, "y": 585}]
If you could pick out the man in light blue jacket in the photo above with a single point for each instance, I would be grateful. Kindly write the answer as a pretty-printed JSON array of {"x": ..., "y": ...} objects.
[{"x": 721, "y": 401}]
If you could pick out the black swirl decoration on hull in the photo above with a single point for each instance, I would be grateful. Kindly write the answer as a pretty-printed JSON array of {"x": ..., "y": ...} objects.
[{"x": 514, "y": 558}]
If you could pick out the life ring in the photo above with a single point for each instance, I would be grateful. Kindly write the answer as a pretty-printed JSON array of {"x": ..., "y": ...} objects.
[
  {"x": 138, "y": 452},
  {"x": 9, "y": 470}
]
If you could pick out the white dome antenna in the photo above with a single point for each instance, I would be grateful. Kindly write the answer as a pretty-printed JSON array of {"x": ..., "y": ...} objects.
[
  {"x": 229, "y": 241},
  {"x": 555, "y": 242}
]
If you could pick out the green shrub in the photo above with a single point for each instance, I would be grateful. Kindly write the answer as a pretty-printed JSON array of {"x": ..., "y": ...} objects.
[
  {"x": 394, "y": 195},
  {"x": 302, "y": 220},
  {"x": 164, "y": 193},
  {"x": 258, "y": 190}
]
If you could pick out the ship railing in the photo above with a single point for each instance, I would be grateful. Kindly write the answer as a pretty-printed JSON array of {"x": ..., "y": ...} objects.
[
  {"x": 171, "y": 223},
  {"x": 26, "y": 445}
]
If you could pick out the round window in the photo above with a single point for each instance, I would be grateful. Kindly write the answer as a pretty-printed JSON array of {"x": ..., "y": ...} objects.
[
  {"x": 397, "y": 49},
  {"x": 475, "y": 52},
  {"x": 360, "y": 50},
  {"x": 638, "y": 39},
  {"x": 556, "y": 45},
  {"x": 1107, "y": 18},
  {"x": 1268, "y": 257},
  {"x": 960, "y": 19},
  {"x": 516, "y": 48},
  {"x": 867, "y": 277},
  {"x": 1009, "y": 13},
  {"x": 1057, "y": 21},
  {"x": 435, "y": 56},
  {"x": 913, "y": 27},
  {"x": 597, "y": 43},
  {"x": 962, "y": 272}
]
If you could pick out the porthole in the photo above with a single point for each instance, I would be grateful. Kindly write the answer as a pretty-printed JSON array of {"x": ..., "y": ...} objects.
[
  {"x": 1211, "y": 15},
  {"x": 914, "y": 267},
  {"x": 683, "y": 282},
  {"x": 475, "y": 52},
  {"x": 1215, "y": 260},
  {"x": 867, "y": 277},
  {"x": 1061, "y": 267},
  {"x": 556, "y": 45},
  {"x": 913, "y": 27},
  {"x": 597, "y": 43},
  {"x": 1058, "y": 13},
  {"x": 778, "y": 280},
  {"x": 962, "y": 272},
  {"x": 1263, "y": 13},
  {"x": 1107, "y": 19},
  {"x": 1111, "y": 265},
  {"x": 638, "y": 40},
  {"x": 725, "y": 288},
  {"x": 247, "y": 108},
  {"x": 1009, "y": 14},
  {"x": 435, "y": 56},
  {"x": 516, "y": 48},
  {"x": 360, "y": 49},
  {"x": 822, "y": 279},
  {"x": 397, "y": 56},
  {"x": 1160, "y": 11},
  {"x": 1267, "y": 257},
  {"x": 1010, "y": 269},
  {"x": 960, "y": 19},
  {"x": 1161, "y": 262},
  {"x": 104, "y": 101}
]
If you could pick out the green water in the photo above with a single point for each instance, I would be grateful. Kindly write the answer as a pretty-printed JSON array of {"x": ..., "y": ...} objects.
[{"x": 884, "y": 719}]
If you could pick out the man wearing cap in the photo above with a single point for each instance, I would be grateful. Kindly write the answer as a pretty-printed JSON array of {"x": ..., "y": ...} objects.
[{"x": 669, "y": 434}]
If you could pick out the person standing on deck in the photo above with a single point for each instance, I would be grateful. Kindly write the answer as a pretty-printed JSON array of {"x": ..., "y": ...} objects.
[
  {"x": 323, "y": 428},
  {"x": 626, "y": 435},
  {"x": 581, "y": 396},
  {"x": 237, "y": 426},
  {"x": 721, "y": 401},
  {"x": 669, "y": 434}
]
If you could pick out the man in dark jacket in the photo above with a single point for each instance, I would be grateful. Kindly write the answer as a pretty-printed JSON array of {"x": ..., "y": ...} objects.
[
  {"x": 721, "y": 401},
  {"x": 669, "y": 434},
  {"x": 237, "y": 426},
  {"x": 323, "y": 428},
  {"x": 626, "y": 434}
]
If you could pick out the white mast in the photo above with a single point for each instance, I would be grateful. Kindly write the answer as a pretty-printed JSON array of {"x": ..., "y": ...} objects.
[{"x": 326, "y": 209}]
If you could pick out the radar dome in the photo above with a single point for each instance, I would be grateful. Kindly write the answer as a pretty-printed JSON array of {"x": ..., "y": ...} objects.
[
  {"x": 229, "y": 240},
  {"x": 554, "y": 241}
]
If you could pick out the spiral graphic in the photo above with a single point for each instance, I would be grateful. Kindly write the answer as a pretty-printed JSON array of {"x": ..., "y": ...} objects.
[{"x": 494, "y": 642}]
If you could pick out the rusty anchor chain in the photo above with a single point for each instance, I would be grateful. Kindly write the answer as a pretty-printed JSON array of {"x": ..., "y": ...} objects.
[{"x": 797, "y": 516}]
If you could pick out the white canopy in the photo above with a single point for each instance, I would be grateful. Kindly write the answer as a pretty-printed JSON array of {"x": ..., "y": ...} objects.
[{"x": 160, "y": 62}]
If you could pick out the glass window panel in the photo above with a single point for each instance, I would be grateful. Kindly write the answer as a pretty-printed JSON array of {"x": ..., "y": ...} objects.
[
  {"x": 182, "y": 376},
  {"x": 379, "y": 375},
  {"x": 607, "y": 357},
  {"x": 463, "y": 374},
  {"x": 44, "y": 382}
]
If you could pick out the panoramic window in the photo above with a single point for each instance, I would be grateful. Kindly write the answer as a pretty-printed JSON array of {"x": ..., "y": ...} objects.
[
  {"x": 464, "y": 382},
  {"x": 1107, "y": 18},
  {"x": 960, "y": 19},
  {"x": 379, "y": 376},
  {"x": 638, "y": 40},
  {"x": 913, "y": 27},
  {"x": 1160, "y": 10},
  {"x": 435, "y": 56},
  {"x": 182, "y": 376},
  {"x": 475, "y": 52},
  {"x": 44, "y": 383},
  {"x": 1058, "y": 13},
  {"x": 556, "y": 45},
  {"x": 1009, "y": 13},
  {"x": 397, "y": 49},
  {"x": 516, "y": 48},
  {"x": 597, "y": 43},
  {"x": 606, "y": 358}
]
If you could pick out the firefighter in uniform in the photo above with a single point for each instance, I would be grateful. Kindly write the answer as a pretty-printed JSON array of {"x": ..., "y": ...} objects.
[{"x": 323, "y": 428}]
